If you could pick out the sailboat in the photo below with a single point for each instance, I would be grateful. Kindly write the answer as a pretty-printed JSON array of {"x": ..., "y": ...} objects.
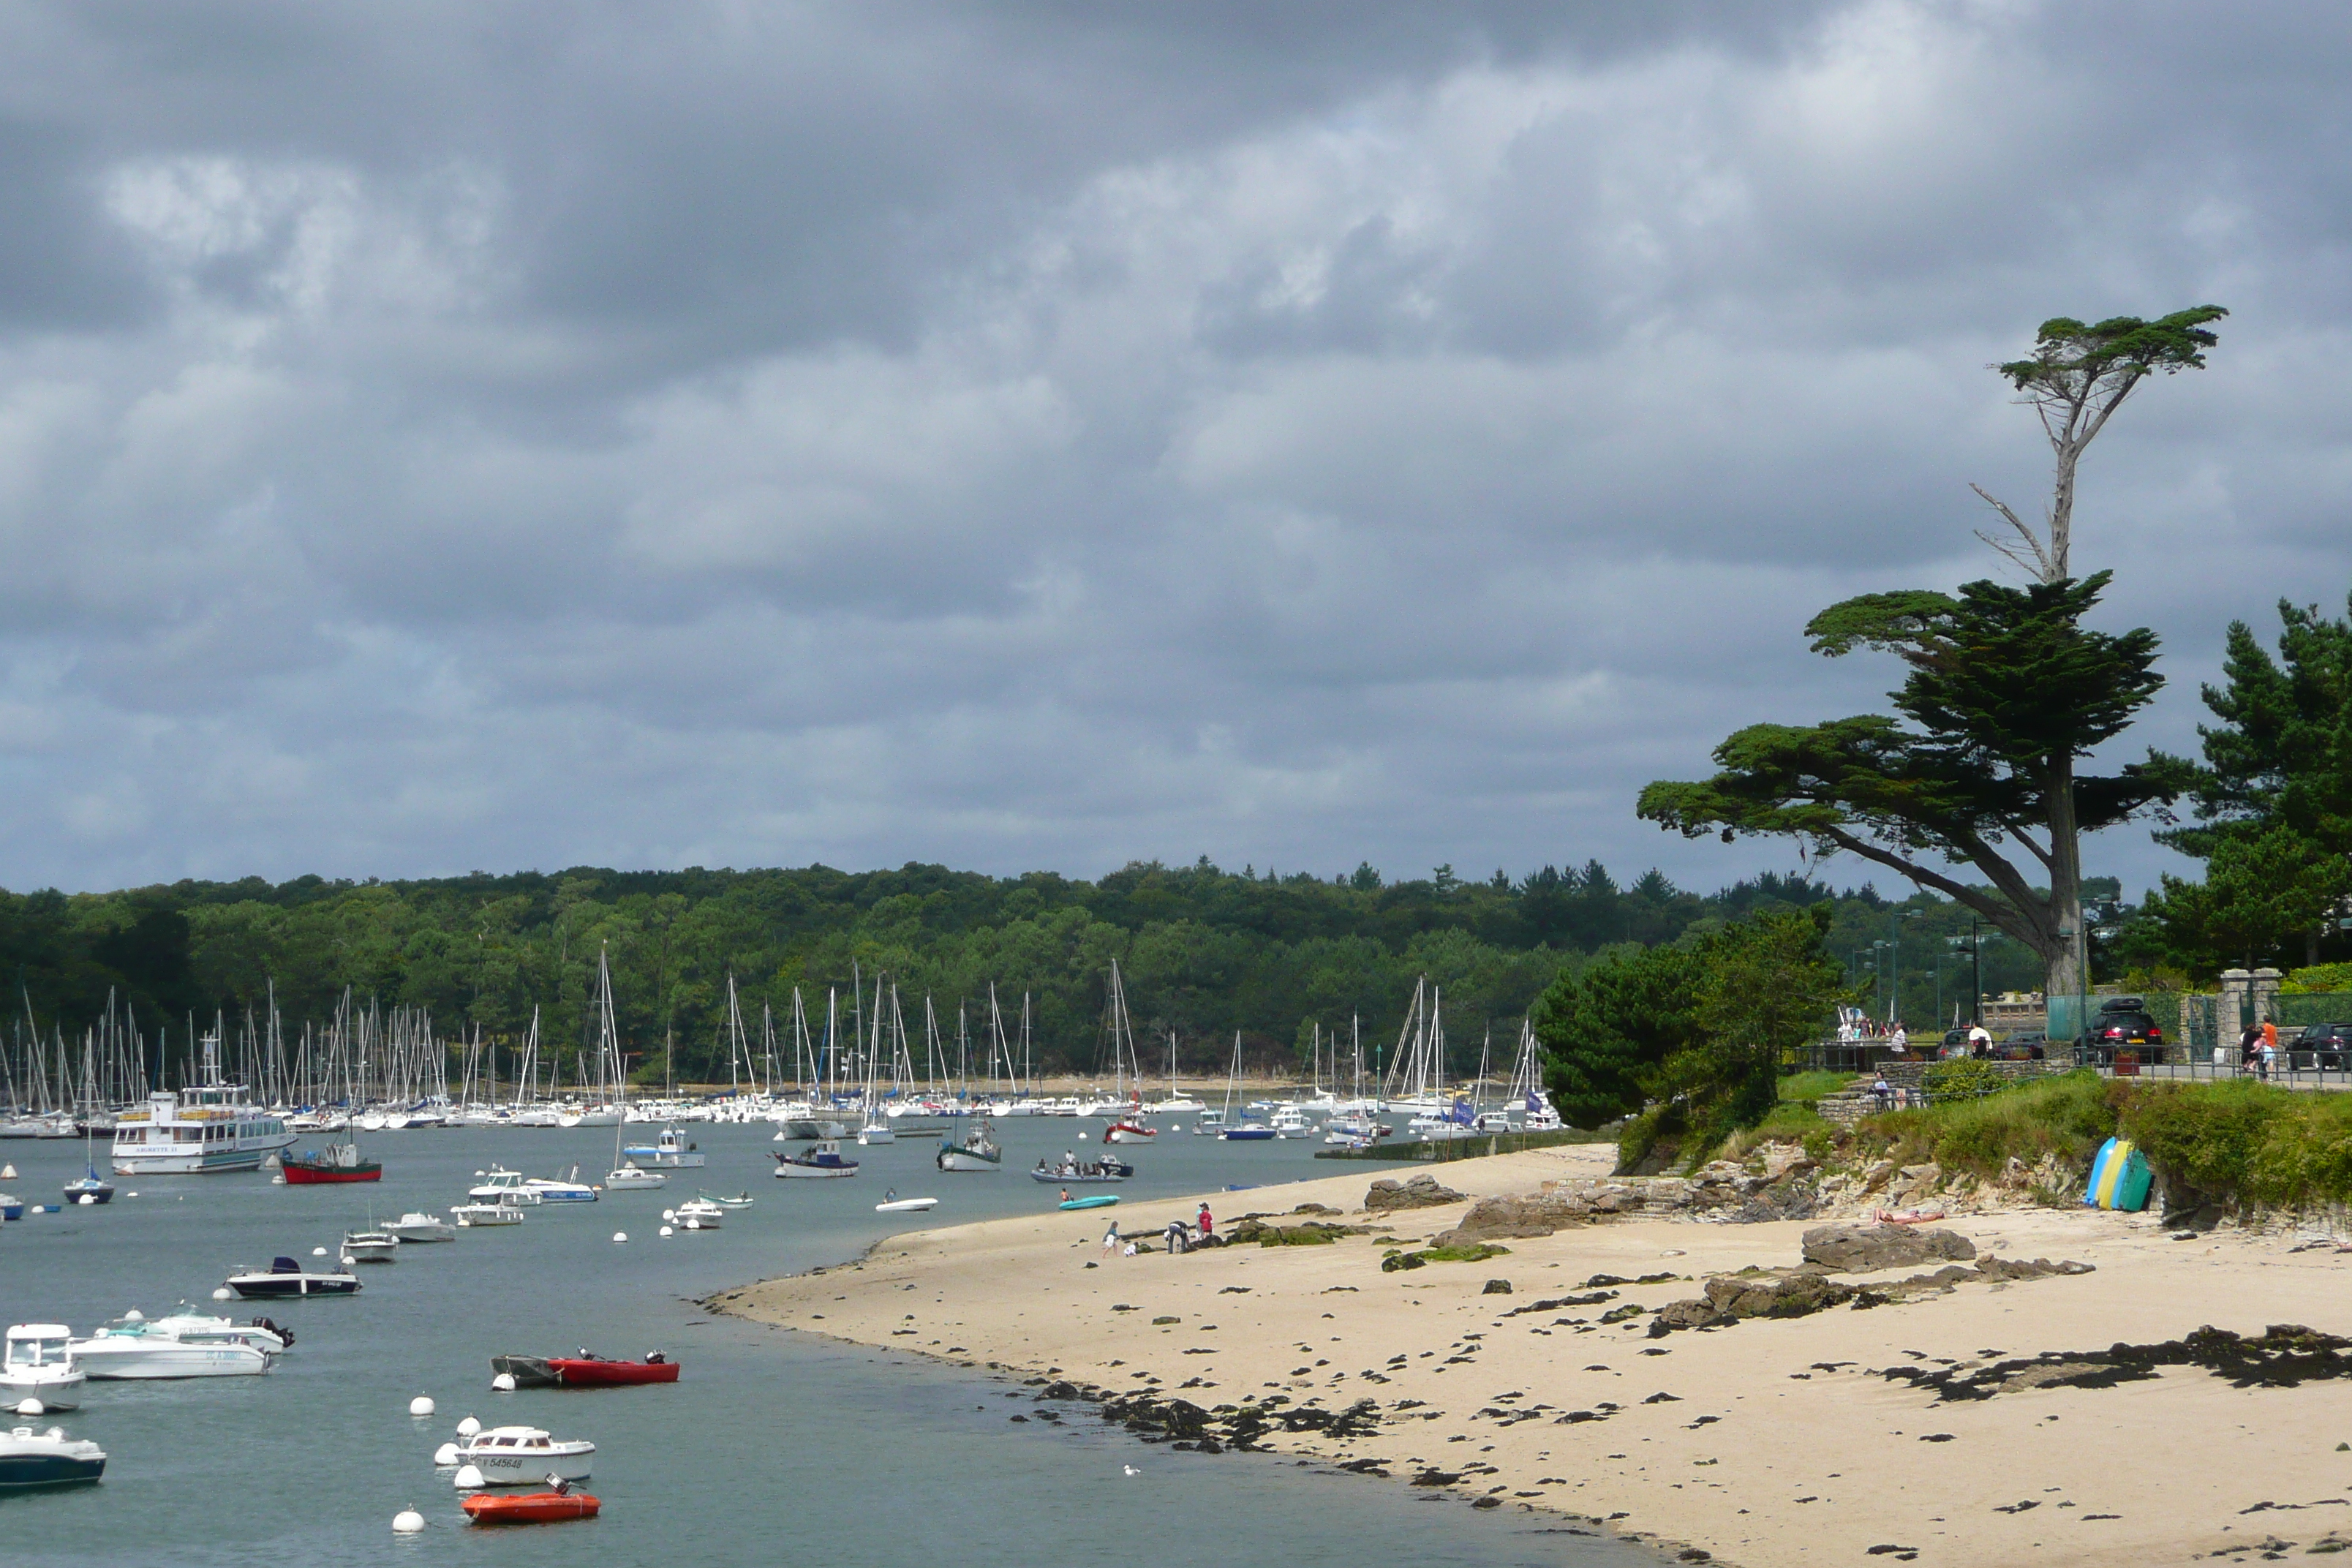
[
  {"x": 90, "y": 1187},
  {"x": 1127, "y": 1125},
  {"x": 1526, "y": 1093},
  {"x": 877, "y": 1128},
  {"x": 625, "y": 1173},
  {"x": 1248, "y": 1130}
]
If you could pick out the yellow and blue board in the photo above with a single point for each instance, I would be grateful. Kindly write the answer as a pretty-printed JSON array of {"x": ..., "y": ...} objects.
[{"x": 2119, "y": 1178}]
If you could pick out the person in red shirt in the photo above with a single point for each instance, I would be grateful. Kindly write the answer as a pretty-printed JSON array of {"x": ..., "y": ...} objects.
[{"x": 1205, "y": 1222}]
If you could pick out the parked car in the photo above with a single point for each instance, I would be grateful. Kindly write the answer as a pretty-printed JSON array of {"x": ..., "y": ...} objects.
[
  {"x": 2327, "y": 1046},
  {"x": 2026, "y": 1045},
  {"x": 1955, "y": 1042},
  {"x": 2121, "y": 1024}
]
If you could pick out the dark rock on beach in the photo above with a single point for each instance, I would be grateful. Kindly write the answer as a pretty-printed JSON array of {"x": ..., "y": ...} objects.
[
  {"x": 1862, "y": 1248},
  {"x": 1418, "y": 1192}
]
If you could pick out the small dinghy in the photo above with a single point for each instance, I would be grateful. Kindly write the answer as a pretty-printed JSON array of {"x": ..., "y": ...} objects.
[
  {"x": 285, "y": 1278},
  {"x": 906, "y": 1206},
  {"x": 50, "y": 1458},
  {"x": 1093, "y": 1201},
  {"x": 741, "y": 1201},
  {"x": 529, "y": 1508}
]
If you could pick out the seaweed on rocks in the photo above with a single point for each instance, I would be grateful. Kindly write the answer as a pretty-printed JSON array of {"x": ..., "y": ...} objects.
[{"x": 2283, "y": 1356}]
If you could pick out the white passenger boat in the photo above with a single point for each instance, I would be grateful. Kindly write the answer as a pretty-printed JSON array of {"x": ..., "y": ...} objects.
[
  {"x": 137, "y": 1350},
  {"x": 700, "y": 1214},
  {"x": 413, "y": 1227},
  {"x": 210, "y": 1126},
  {"x": 525, "y": 1456},
  {"x": 39, "y": 1360},
  {"x": 195, "y": 1328},
  {"x": 1290, "y": 1121},
  {"x": 620, "y": 1178},
  {"x": 50, "y": 1458},
  {"x": 474, "y": 1216}
]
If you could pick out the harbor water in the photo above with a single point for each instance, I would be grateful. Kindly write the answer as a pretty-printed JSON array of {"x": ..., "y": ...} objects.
[{"x": 772, "y": 1447}]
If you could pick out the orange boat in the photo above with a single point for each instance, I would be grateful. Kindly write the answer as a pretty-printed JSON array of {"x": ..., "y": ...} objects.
[{"x": 531, "y": 1508}]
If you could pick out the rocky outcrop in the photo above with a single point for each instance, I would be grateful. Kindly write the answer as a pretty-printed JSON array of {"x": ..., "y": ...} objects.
[
  {"x": 1520, "y": 1214},
  {"x": 1417, "y": 1192},
  {"x": 1865, "y": 1249},
  {"x": 1812, "y": 1288}
]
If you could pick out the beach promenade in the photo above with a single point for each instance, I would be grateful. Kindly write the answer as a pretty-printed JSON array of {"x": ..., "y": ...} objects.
[{"x": 1773, "y": 1442}]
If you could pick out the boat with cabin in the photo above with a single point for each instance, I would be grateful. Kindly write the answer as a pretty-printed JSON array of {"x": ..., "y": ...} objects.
[
  {"x": 334, "y": 1165},
  {"x": 525, "y": 1456},
  {"x": 371, "y": 1247},
  {"x": 416, "y": 1227},
  {"x": 476, "y": 1216},
  {"x": 287, "y": 1279},
  {"x": 208, "y": 1126},
  {"x": 821, "y": 1160},
  {"x": 39, "y": 1360},
  {"x": 131, "y": 1348},
  {"x": 977, "y": 1150},
  {"x": 672, "y": 1151}
]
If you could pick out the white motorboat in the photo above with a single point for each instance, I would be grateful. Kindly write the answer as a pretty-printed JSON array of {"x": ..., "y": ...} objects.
[
  {"x": 499, "y": 1185},
  {"x": 1210, "y": 1124},
  {"x": 50, "y": 1458},
  {"x": 474, "y": 1216},
  {"x": 129, "y": 1350},
  {"x": 413, "y": 1227},
  {"x": 525, "y": 1456},
  {"x": 906, "y": 1206},
  {"x": 37, "y": 1360},
  {"x": 194, "y": 1327},
  {"x": 741, "y": 1201},
  {"x": 699, "y": 1213},
  {"x": 672, "y": 1151},
  {"x": 371, "y": 1247},
  {"x": 624, "y": 1177},
  {"x": 562, "y": 1189},
  {"x": 877, "y": 1129},
  {"x": 1290, "y": 1121},
  {"x": 287, "y": 1279}
]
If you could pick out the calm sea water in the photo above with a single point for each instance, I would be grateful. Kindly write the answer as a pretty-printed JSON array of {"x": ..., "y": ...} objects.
[{"x": 772, "y": 1447}]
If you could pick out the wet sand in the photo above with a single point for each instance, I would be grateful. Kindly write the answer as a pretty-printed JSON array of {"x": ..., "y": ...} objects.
[{"x": 1771, "y": 1442}]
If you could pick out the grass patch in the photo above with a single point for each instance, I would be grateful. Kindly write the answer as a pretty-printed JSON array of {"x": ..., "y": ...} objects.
[
  {"x": 2069, "y": 1117},
  {"x": 2246, "y": 1142},
  {"x": 1804, "y": 1088}
]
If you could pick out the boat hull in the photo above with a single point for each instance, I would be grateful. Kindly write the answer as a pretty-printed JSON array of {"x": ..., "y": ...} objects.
[
  {"x": 529, "y": 1468},
  {"x": 1097, "y": 1200},
  {"x": 164, "y": 1359},
  {"x": 303, "y": 1173},
  {"x": 533, "y": 1507},
  {"x": 25, "y": 1471},
  {"x": 574, "y": 1372},
  {"x": 798, "y": 1171},
  {"x": 965, "y": 1160},
  {"x": 288, "y": 1286}
]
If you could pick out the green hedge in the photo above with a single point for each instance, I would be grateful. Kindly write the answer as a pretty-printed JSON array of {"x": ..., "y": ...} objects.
[{"x": 2245, "y": 1143}]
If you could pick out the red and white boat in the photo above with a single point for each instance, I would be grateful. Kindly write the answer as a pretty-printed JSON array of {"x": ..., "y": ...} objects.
[
  {"x": 529, "y": 1508},
  {"x": 1129, "y": 1129}
]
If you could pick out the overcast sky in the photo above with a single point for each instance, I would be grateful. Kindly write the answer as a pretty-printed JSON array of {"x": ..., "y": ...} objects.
[{"x": 1031, "y": 434}]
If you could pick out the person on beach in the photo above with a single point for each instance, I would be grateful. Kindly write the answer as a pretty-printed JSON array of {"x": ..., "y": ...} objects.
[
  {"x": 1207, "y": 1228},
  {"x": 1111, "y": 1239}
]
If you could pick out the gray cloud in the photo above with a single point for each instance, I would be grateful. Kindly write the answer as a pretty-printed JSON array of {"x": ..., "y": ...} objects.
[{"x": 1045, "y": 435}]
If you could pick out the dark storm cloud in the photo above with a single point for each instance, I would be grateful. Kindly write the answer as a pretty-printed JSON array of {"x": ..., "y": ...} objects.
[{"x": 1040, "y": 433}]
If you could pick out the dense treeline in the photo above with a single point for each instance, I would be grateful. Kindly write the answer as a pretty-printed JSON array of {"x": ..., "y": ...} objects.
[{"x": 1205, "y": 951}]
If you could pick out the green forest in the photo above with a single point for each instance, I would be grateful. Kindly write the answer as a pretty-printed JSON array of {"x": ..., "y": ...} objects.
[{"x": 1204, "y": 952}]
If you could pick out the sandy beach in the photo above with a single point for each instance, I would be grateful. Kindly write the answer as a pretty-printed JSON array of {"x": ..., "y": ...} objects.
[{"x": 1771, "y": 1442}]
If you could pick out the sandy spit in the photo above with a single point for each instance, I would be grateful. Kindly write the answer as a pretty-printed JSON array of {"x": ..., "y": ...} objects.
[{"x": 1771, "y": 1443}]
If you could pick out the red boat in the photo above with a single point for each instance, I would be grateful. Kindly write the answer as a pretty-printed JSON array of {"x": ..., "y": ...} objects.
[
  {"x": 531, "y": 1508},
  {"x": 595, "y": 1372},
  {"x": 337, "y": 1162}
]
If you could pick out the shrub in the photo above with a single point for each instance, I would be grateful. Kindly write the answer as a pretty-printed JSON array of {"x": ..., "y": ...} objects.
[
  {"x": 1963, "y": 1079},
  {"x": 2069, "y": 1117},
  {"x": 2246, "y": 1143}
]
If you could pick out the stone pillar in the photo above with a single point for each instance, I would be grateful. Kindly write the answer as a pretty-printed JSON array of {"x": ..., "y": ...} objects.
[
  {"x": 2266, "y": 988},
  {"x": 2230, "y": 1017}
]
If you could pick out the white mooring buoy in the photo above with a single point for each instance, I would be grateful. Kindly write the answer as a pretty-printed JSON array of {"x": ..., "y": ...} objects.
[
  {"x": 408, "y": 1521},
  {"x": 664, "y": 1233},
  {"x": 446, "y": 1457},
  {"x": 503, "y": 1384},
  {"x": 620, "y": 1236},
  {"x": 223, "y": 1294},
  {"x": 421, "y": 1406},
  {"x": 469, "y": 1478},
  {"x": 469, "y": 1426}
]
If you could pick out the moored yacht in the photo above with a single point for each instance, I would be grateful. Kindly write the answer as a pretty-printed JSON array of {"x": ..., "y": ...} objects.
[
  {"x": 133, "y": 1349},
  {"x": 371, "y": 1247},
  {"x": 50, "y": 1458},
  {"x": 673, "y": 1151},
  {"x": 977, "y": 1151},
  {"x": 824, "y": 1159},
  {"x": 285, "y": 1278},
  {"x": 413, "y": 1227},
  {"x": 525, "y": 1456},
  {"x": 38, "y": 1359}
]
